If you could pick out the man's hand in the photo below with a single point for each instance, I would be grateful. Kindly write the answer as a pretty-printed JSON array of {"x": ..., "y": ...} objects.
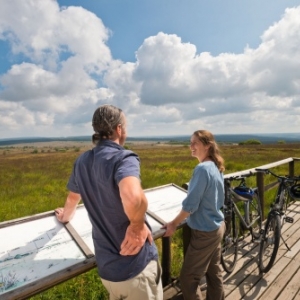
[
  {"x": 135, "y": 239},
  {"x": 65, "y": 214},
  {"x": 59, "y": 213}
]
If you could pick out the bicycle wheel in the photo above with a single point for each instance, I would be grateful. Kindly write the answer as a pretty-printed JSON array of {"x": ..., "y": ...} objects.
[
  {"x": 230, "y": 243},
  {"x": 269, "y": 243},
  {"x": 283, "y": 204},
  {"x": 254, "y": 215}
]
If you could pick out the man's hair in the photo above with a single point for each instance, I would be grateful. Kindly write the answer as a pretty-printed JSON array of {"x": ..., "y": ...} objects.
[
  {"x": 207, "y": 138},
  {"x": 106, "y": 119}
]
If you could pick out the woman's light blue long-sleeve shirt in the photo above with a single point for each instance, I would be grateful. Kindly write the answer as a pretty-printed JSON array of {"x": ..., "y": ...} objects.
[{"x": 205, "y": 198}]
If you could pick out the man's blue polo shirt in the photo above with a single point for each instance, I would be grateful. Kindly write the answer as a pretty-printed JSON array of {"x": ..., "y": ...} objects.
[{"x": 96, "y": 175}]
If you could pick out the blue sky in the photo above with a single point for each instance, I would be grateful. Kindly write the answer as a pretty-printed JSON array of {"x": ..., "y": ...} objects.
[
  {"x": 213, "y": 26},
  {"x": 172, "y": 66}
]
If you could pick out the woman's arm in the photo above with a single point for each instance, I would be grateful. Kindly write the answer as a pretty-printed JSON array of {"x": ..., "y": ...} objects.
[{"x": 171, "y": 226}]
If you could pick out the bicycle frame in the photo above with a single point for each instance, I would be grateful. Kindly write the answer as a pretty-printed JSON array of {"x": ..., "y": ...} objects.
[
  {"x": 284, "y": 184},
  {"x": 231, "y": 198},
  {"x": 244, "y": 219}
]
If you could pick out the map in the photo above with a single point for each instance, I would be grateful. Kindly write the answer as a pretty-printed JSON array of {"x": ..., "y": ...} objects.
[{"x": 35, "y": 249}]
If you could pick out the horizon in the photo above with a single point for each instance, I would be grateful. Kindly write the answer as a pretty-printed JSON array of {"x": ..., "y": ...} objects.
[{"x": 274, "y": 134}]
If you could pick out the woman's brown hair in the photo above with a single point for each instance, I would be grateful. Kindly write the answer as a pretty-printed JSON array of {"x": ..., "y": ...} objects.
[{"x": 207, "y": 138}]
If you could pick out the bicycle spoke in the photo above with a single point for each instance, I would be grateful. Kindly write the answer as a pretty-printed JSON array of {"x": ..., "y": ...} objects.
[
  {"x": 269, "y": 243},
  {"x": 255, "y": 216},
  {"x": 230, "y": 244}
]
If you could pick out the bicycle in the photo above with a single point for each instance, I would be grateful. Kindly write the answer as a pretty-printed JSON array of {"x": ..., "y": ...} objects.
[
  {"x": 251, "y": 220},
  {"x": 275, "y": 220}
]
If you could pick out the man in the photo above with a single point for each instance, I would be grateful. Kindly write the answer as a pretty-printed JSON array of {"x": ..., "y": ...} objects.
[{"x": 107, "y": 179}]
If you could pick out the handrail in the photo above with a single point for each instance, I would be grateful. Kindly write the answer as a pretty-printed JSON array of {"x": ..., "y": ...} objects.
[
  {"x": 261, "y": 188},
  {"x": 253, "y": 171},
  {"x": 267, "y": 166}
]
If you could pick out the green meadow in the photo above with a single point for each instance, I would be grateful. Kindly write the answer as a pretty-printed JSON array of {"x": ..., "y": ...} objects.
[{"x": 33, "y": 180}]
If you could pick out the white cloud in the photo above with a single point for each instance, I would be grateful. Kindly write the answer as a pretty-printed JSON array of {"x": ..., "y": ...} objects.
[
  {"x": 63, "y": 55},
  {"x": 63, "y": 69},
  {"x": 43, "y": 32}
]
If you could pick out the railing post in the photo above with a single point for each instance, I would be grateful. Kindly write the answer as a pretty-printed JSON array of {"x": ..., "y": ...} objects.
[
  {"x": 291, "y": 168},
  {"x": 261, "y": 191},
  {"x": 186, "y": 231},
  {"x": 186, "y": 236},
  {"x": 166, "y": 261}
]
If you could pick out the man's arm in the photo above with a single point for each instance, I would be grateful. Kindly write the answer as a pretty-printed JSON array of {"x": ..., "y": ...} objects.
[
  {"x": 135, "y": 206},
  {"x": 66, "y": 213}
]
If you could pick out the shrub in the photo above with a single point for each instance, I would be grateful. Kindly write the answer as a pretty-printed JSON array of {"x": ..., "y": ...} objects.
[
  {"x": 250, "y": 142},
  {"x": 281, "y": 142}
]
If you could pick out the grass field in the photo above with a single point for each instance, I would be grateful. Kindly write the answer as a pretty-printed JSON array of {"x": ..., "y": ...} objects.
[{"x": 33, "y": 179}]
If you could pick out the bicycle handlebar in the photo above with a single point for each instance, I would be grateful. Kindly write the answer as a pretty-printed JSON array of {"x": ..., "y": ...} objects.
[
  {"x": 239, "y": 177},
  {"x": 266, "y": 171},
  {"x": 284, "y": 177}
]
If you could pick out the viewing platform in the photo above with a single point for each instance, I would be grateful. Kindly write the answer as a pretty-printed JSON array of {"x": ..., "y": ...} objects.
[{"x": 245, "y": 282}]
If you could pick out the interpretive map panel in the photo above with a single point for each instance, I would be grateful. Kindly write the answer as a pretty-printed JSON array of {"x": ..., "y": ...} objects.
[
  {"x": 165, "y": 201},
  {"x": 32, "y": 250},
  {"x": 36, "y": 247},
  {"x": 81, "y": 223}
]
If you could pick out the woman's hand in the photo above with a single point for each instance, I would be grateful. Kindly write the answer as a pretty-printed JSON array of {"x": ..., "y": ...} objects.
[
  {"x": 170, "y": 229},
  {"x": 172, "y": 226}
]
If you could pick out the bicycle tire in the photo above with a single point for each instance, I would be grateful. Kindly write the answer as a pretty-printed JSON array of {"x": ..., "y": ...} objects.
[
  {"x": 230, "y": 243},
  {"x": 284, "y": 202},
  {"x": 269, "y": 243},
  {"x": 253, "y": 212}
]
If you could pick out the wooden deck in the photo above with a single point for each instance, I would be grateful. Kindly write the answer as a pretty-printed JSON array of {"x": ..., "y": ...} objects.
[{"x": 282, "y": 282}]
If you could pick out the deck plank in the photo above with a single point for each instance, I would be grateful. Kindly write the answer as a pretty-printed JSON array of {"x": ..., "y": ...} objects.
[
  {"x": 291, "y": 289},
  {"x": 280, "y": 283},
  {"x": 267, "y": 280}
]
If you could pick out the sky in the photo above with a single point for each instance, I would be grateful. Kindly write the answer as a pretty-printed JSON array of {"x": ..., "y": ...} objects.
[{"x": 172, "y": 66}]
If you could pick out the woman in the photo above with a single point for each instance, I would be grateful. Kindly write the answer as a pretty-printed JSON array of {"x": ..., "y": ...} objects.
[{"x": 202, "y": 208}]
